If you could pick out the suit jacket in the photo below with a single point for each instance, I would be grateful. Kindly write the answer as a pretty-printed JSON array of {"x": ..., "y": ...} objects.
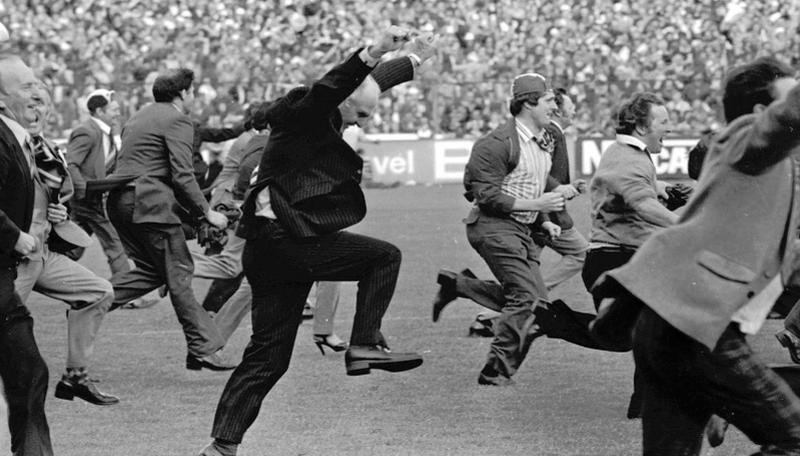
[
  {"x": 16, "y": 195},
  {"x": 559, "y": 171},
  {"x": 312, "y": 173},
  {"x": 85, "y": 156},
  {"x": 493, "y": 157},
  {"x": 213, "y": 135},
  {"x": 738, "y": 230},
  {"x": 157, "y": 147}
]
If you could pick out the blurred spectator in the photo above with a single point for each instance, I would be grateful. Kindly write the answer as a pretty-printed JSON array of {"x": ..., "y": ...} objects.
[{"x": 246, "y": 50}]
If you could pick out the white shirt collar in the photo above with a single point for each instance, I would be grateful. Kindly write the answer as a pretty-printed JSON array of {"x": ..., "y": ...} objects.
[
  {"x": 558, "y": 125},
  {"x": 525, "y": 132},
  {"x": 632, "y": 141},
  {"x": 103, "y": 126},
  {"x": 20, "y": 133}
]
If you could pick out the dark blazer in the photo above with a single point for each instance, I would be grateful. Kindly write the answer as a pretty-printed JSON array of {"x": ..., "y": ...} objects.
[
  {"x": 251, "y": 157},
  {"x": 213, "y": 135},
  {"x": 493, "y": 157},
  {"x": 157, "y": 147},
  {"x": 559, "y": 171},
  {"x": 560, "y": 168},
  {"x": 738, "y": 231},
  {"x": 312, "y": 173},
  {"x": 85, "y": 156},
  {"x": 16, "y": 195}
]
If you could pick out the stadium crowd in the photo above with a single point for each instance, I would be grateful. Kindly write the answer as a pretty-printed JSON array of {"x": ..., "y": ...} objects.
[{"x": 247, "y": 50}]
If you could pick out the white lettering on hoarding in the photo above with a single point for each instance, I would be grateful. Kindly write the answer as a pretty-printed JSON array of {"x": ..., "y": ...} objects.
[
  {"x": 449, "y": 159},
  {"x": 590, "y": 154},
  {"x": 394, "y": 165},
  {"x": 673, "y": 161}
]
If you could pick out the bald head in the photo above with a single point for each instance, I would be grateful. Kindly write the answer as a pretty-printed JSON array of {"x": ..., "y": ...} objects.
[
  {"x": 20, "y": 91},
  {"x": 360, "y": 105}
]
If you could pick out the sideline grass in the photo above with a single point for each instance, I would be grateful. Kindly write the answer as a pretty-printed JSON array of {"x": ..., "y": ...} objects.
[{"x": 567, "y": 400}]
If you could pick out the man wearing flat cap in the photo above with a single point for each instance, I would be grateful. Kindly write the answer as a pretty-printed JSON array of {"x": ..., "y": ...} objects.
[{"x": 505, "y": 178}]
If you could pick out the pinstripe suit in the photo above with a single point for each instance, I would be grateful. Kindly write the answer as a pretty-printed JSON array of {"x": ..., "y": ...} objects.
[{"x": 313, "y": 177}]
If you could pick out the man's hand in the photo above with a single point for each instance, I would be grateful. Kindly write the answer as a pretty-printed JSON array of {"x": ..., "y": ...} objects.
[
  {"x": 568, "y": 190},
  {"x": 661, "y": 189},
  {"x": 423, "y": 46},
  {"x": 217, "y": 219},
  {"x": 26, "y": 244},
  {"x": 552, "y": 229},
  {"x": 393, "y": 39},
  {"x": 550, "y": 202},
  {"x": 580, "y": 185},
  {"x": 56, "y": 213}
]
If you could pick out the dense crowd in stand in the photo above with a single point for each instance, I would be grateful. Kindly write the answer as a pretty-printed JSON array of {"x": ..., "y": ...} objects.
[{"x": 245, "y": 50}]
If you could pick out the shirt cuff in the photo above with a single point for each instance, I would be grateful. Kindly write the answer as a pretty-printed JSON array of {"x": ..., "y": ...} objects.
[
  {"x": 367, "y": 59},
  {"x": 415, "y": 60}
]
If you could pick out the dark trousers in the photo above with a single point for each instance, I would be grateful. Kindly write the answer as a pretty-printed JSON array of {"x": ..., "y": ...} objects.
[
  {"x": 281, "y": 270},
  {"x": 684, "y": 383},
  {"x": 24, "y": 374},
  {"x": 559, "y": 321},
  {"x": 220, "y": 291},
  {"x": 508, "y": 249},
  {"x": 792, "y": 321},
  {"x": 90, "y": 215},
  {"x": 161, "y": 256},
  {"x": 599, "y": 261}
]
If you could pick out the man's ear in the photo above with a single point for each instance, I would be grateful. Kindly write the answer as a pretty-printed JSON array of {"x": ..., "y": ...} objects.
[{"x": 759, "y": 108}]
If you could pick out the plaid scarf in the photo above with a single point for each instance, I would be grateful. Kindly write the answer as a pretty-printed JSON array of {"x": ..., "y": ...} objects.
[
  {"x": 547, "y": 142},
  {"x": 51, "y": 169}
]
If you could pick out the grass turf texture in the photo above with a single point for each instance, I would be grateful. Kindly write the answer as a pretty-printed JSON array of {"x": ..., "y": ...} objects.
[{"x": 567, "y": 401}]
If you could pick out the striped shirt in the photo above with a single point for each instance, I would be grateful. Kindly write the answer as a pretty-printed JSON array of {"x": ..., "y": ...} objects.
[{"x": 528, "y": 179}]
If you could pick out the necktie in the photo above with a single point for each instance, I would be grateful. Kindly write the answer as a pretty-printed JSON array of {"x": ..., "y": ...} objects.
[{"x": 111, "y": 158}]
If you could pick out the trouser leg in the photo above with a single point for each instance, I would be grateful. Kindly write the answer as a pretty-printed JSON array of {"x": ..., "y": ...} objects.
[
  {"x": 232, "y": 313},
  {"x": 513, "y": 258},
  {"x": 161, "y": 255},
  {"x": 729, "y": 381},
  {"x": 325, "y": 309},
  {"x": 88, "y": 296}
]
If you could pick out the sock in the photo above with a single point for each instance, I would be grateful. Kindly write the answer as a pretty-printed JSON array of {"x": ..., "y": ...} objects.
[{"x": 76, "y": 374}]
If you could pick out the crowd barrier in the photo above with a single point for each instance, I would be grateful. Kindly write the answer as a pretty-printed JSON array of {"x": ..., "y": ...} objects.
[{"x": 442, "y": 161}]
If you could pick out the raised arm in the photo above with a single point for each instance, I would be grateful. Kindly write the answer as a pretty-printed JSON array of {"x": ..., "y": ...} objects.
[{"x": 326, "y": 94}]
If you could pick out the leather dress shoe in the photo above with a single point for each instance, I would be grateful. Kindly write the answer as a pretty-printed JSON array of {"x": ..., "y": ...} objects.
[
  {"x": 140, "y": 303},
  {"x": 715, "y": 430},
  {"x": 489, "y": 376},
  {"x": 359, "y": 359},
  {"x": 791, "y": 343},
  {"x": 495, "y": 381},
  {"x": 481, "y": 327},
  {"x": 84, "y": 388},
  {"x": 214, "y": 362},
  {"x": 446, "y": 294}
]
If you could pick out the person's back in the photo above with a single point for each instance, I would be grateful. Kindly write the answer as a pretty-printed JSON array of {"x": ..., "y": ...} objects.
[
  {"x": 613, "y": 190},
  {"x": 145, "y": 135}
]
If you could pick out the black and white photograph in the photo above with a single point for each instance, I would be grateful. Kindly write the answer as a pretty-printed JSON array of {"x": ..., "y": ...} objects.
[{"x": 399, "y": 227}]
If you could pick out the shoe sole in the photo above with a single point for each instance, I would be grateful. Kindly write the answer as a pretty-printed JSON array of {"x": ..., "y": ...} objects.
[
  {"x": 786, "y": 343},
  {"x": 196, "y": 365},
  {"x": 355, "y": 368}
]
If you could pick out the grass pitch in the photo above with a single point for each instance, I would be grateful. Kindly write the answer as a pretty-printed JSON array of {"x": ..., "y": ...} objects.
[{"x": 567, "y": 401}]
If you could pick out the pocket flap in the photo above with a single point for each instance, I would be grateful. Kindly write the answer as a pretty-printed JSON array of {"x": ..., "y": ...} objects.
[{"x": 724, "y": 267}]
